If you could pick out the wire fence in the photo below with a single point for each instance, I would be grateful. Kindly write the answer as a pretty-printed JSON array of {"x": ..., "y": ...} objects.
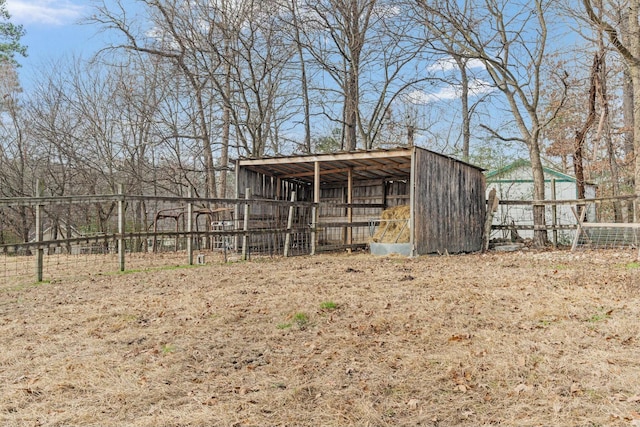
[
  {"x": 608, "y": 219},
  {"x": 49, "y": 238}
]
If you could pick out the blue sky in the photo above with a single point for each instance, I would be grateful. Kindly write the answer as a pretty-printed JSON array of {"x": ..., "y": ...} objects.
[{"x": 53, "y": 32}]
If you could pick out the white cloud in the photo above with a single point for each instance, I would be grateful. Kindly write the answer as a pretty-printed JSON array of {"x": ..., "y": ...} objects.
[
  {"x": 48, "y": 12},
  {"x": 477, "y": 87},
  {"x": 449, "y": 64}
]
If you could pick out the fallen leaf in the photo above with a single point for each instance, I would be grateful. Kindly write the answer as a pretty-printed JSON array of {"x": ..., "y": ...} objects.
[
  {"x": 413, "y": 404},
  {"x": 459, "y": 337},
  {"x": 520, "y": 388}
]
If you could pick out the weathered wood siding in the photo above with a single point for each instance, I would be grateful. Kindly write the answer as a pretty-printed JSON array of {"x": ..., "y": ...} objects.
[
  {"x": 449, "y": 205},
  {"x": 270, "y": 188},
  {"x": 380, "y": 193},
  {"x": 448, "y": 196}
]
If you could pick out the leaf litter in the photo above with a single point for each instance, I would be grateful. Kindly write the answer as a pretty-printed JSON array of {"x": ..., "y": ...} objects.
[{"x": 469, "y": 340}]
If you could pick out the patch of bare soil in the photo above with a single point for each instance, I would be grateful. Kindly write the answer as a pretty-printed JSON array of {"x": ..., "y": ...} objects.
[{"x": 530, "y": 338}]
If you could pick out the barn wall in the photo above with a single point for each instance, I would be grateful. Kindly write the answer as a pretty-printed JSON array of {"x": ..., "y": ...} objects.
[
  {"x": 449, "y": 205},
  {"x": 388, "y": 193},
  {"x": 267, "y": 187}
]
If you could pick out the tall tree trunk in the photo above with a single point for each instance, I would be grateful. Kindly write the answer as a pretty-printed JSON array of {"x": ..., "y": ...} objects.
[
  {"x": 604, "y": 130},
  {"x": 303, "y": 79},
  {"x": 539, "y": 236},
  {"x": 226, "y": 123},
  {"x": 351, "y": 112},
  {"x": 627, "y": 113},
  {"x": 627, "y": 87},
  {"x": 581, "y": 134},
  {"x": 630, "y": 52},
  {"x": 464, "y": 99}
]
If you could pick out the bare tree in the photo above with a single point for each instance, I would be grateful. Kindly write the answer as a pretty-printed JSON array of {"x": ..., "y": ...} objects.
[
  {"x": 364, "y": 51},
  {"x": 171, "y": 38},
  {"x": 17, "y": 167},
  {"x": 629, "y": 49},
  {"x": 510, "y": 38},
  {"x": 296, "y": 31}
]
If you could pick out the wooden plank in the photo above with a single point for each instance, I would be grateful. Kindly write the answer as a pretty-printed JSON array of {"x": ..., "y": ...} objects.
[
  {"x": 314, "y": 209},
  {"x": 121, "y": 221},
  {"x": 385, "y": 167},
  {"x": 313, "y": 158},
  {"x": 349, "y": 208},
  {"x": 339, "y": 224},
  {"x": 413, "y": 182},
  {"x": 351, "y": 205},
  {"x": 611, "y": 224},
  {"x": 287, "y": 240},
  {"x": 534, "y": 227},
  {"x": 492, "y": 206}
]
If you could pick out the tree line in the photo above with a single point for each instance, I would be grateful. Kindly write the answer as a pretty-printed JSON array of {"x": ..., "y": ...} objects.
[{"x": 185, "y": 86}]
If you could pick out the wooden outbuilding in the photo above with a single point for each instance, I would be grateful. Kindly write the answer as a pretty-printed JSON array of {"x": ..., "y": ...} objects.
[{"x": 445, "y": 196}]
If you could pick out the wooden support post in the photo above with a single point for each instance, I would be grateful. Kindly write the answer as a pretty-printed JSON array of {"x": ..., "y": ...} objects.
[
  {"x": 287, "y": 239},
  {"x": 554, "y": 213},
  {"x": 412, "y": 205},
  {"x": 314, "y": 209},
  {"x": 579, "y": 214},
  {"x": 121, "y": 248},
  {"x": 492, "y": 207},
  {"x": 236, "y": 212},
  {"x": 39, "y": 231},
  {"x": 245, "y": 236},
  {"x": 190, "y": 228},
  {"x": 349, "y": 208}
]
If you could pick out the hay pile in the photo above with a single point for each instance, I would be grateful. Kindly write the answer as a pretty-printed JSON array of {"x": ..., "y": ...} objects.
[{"x": 394, "y": 226}]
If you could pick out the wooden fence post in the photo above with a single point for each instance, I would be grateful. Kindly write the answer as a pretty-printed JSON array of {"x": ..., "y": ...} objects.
[
  {"x": 492, "y": 207},
  {"x": 121, "y": 248},
  {"x": 350, "y": 209},
  {"x": 39, "y": 231},
  {"x": 287, "y": 239},
  {"x": 554, "y": 213},
  {"x": 245, "y": 236},
  {"x": 189, "y": 227},
  {"x": 314, "y": 208}
]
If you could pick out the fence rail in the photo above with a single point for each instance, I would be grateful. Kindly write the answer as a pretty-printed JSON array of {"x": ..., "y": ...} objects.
[
  {"x": 561, "y": 216},
  {"x": 57, "y": 229}
]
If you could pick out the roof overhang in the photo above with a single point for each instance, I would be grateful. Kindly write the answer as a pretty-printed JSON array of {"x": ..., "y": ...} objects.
[{"x": 334, "y": 168}]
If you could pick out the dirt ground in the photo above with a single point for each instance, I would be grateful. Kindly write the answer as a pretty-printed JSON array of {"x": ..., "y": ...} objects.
[{"x": 526, "y": 338}]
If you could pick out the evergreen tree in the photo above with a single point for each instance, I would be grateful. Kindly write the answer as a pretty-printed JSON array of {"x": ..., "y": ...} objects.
[{"x": 10, "y": 35}]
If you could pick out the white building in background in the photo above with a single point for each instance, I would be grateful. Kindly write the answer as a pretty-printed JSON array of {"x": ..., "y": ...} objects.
[{"x": 515, "y": 182}]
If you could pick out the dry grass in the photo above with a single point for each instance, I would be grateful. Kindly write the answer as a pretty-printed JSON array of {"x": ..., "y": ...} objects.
[{"x": 535, "y": 338}]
